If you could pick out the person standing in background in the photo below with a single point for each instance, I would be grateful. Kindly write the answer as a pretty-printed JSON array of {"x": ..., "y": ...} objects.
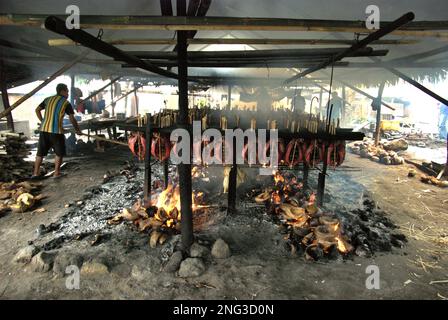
[
  {"x": 51, "y": 132},
  {"x": 443, "y": 121}
]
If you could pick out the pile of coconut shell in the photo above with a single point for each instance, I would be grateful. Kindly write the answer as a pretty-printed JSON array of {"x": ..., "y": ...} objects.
[
  {"x": 434, "y": 181},
  {"x": 386, "y": 153},
  {"x": 13, "y": 150},
  {"x": 20, "y": 197}
]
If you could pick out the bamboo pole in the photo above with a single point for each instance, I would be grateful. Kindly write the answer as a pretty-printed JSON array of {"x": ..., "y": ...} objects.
[
  {"x": 124, "y": 96},
  {"x": 43, "y": 84},
  {"x": 100, "y": 89},
  {"x": 206, "y": 41},
  {"x": 414, "y": 83},
  {"x": 418, "y": 28},
  {"x": 384, "y": 30}
]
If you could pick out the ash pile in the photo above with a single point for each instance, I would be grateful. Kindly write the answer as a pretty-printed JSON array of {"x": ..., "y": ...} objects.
[
  {"x": 87, "y": 217},
  {"x": 323, "y": 234},
  {"x": 13, "y": 150}
]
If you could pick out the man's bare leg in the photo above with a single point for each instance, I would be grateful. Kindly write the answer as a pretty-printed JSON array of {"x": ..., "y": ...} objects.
[
  {"x": 37, "y": 165},
  {"x": 57, "y": 166}
]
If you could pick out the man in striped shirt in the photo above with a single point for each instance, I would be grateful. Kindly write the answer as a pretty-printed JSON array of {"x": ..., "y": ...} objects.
[{"x": 51, "y": 131}]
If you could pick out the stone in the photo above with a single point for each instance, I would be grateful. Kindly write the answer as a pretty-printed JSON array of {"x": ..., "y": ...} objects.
[
  {"x": 375, "y": 159},
  {"x": 396, "y": 145},
  {"x": 198, "y": 251},
  {"x": 42, "y": 262},
  {"x": 174, "y": 262},
  {"x": 412, "y": 173},
  {"x": 94, "y": 267},
  {"x": 191, "y": 267},
  {"x": 63, "y": 260},
  {"x": 140, "y": 273},
  {"x": 25, "y": 254},
  {"x": 220, "y": 249}
]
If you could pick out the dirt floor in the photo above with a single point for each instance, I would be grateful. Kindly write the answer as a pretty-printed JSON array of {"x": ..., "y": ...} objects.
[{"x": 260, "y": 267}]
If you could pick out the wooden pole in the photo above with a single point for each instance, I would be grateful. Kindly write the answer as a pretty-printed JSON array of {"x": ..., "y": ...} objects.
[
  {"x": 229, "y": 97},
  {"x": 384, "y": 30},
  {"x": 126, "y": 22},
  {"x": 124, "y": 96},
  {"x": 378, "y": 113},
  {"x": 414, "y": 83},
  {"x": 112, "y": 100},
  {"x": 364, "y": 93},
  {"x": 184, "y": 169},
  {"x": 343, "y": 104},
  {"x": 72, "y": 90},
  {"x": 5, "y": 98},
  {"x": 94, "y": 93},
  {"x": 252, "y": 41},
  {"x": 43, "y": 84},
  {"x": 147, "y": 179}
]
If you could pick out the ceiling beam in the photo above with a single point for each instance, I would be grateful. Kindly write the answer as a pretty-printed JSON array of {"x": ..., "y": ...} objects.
[
  {"x": 205, "y": 41},
  {"x": 57, "y": 25},
  {"x": 259, "y": 54},
  {"x": 386, "y": 29},
  {"x": 418, "y": 28}
]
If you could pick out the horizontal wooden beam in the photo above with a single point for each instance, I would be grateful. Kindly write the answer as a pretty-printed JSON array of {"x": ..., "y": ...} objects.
[
  {"x": 258, "y": 54},
  {"x": 418, "y": 28},
  {"x": 413, "y": 82},
  {"x": 384, "y": 30},
  {"x": 205, "y": 41}
]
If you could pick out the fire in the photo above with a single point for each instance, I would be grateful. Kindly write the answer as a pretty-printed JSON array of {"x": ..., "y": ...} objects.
[
  {"x": 297, "y": 209},
  {"x": 169, "y": 208}
]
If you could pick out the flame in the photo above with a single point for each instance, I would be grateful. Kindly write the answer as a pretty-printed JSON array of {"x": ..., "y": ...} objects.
[{"x": 168, "y": 205}]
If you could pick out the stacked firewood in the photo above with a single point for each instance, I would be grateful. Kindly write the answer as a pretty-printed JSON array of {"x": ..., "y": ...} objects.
[{"x": 13, "y": 150}]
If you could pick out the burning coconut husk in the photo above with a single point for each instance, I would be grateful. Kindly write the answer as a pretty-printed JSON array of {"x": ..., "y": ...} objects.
[
  {"x": 161, "y": 216},
  {"x": 315, "y": 232}
]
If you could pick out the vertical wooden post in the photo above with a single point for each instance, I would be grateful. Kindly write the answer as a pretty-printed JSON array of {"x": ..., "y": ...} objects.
[
  {"x": 5, "y": 98},
  {"x": 136, "y": 102},
  {"x": 321, "y": 179},
  {"x": 306, "y": 170},
  {"x": 147, "y": 183},
  {"x": 72, "y": 90},
  {"x": 112, "y": 98},
  {"x": 229, "y": 97},
  {"x": 378, "y": 113},
  {"x": 166, "y": 173},
  {"x": 184, "y": 169},
  {"x": 320, "y": 100},
  {"x": 231, "y": 197},
  {"x": 344, "y": 105}
]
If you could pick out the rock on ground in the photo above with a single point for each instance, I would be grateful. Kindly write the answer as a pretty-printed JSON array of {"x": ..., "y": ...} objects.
[
  {"x": 198, "y": 251},
  {"x": 174, "y": 262},
  {"x": 94, "y": 267},
  {"x": 63, "y": 260},
  {"x": 191, "y": 267},
  {"x": 42, "y": 262},
  {"x": 25, "y": 254},
  {"x": 220, "y": 249}
]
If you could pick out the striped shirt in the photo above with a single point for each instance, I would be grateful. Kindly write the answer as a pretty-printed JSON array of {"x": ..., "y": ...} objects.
[{"x": 55, "y": 108}]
